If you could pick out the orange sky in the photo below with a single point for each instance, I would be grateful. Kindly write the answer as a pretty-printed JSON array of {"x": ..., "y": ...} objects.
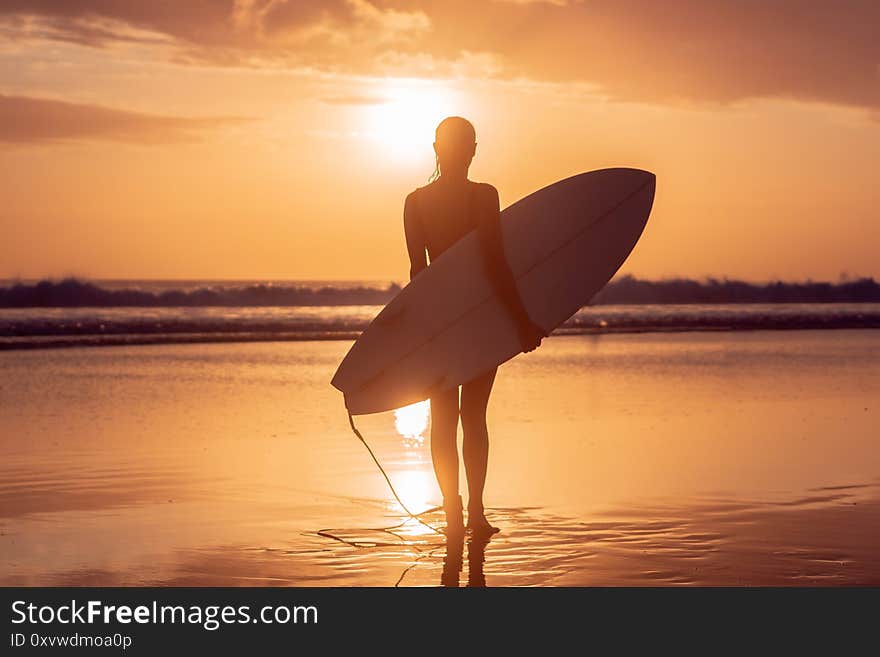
[{"x": 275, "y": 139}]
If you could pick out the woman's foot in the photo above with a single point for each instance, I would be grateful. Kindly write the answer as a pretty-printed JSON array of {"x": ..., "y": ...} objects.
[
  {"x": 477, "y": 523},
  {"x": 454, "y": 511}
]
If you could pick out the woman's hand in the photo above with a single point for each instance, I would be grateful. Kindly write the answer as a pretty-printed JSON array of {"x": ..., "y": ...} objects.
[{"x": 530, "y": 334}]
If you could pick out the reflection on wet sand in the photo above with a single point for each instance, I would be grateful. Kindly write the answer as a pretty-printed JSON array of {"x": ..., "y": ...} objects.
[
  {"x": 816, "y": 540},
  {"x": 664, "y": 459},
  {"x": 824, "y": 538},
  {"x": 453, "y": 561}
]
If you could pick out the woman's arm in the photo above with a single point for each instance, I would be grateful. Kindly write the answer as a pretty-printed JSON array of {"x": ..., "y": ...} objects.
[
  {"x": 415, "y": 240},
  {"x": 492, "y": 245}
]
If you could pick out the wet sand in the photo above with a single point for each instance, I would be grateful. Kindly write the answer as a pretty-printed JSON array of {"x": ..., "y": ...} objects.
[{"x": 645, "y": 459}]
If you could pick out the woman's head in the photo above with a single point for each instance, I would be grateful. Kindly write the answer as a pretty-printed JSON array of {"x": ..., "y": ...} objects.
[{"x": 455, "y": 143}]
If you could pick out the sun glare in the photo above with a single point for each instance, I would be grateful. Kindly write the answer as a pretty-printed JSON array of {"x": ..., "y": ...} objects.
[
  {"x": 412, "y": 421},
  {"x": 404, "y": 123},
  {"x": 416, "y": 488}
]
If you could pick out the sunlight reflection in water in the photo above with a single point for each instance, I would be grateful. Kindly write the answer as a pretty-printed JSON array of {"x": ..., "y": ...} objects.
[
  {"x": 415, "y": 485},
  {"x": 411, "y": 423}
]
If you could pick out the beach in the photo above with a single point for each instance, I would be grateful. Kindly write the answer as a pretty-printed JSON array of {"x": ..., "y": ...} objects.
[{"x": 692, "y": 458}]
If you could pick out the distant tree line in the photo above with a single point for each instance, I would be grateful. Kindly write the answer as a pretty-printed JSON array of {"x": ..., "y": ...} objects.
[
  {"x": 631, "y": 290},
  {"x": 71, "y": 293}
]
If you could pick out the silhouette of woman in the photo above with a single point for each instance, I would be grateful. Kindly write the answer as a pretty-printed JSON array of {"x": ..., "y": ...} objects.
[{"x": 435, "y": 217}]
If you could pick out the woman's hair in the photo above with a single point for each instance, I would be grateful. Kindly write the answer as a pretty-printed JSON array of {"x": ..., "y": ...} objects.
[{"x": 453, "y": 130}]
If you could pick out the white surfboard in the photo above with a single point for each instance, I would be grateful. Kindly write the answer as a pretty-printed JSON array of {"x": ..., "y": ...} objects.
[{"x": 563, "y": 242}]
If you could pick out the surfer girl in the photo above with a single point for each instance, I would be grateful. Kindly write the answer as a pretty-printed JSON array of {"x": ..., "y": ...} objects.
[{"x": 435, "y": 217}]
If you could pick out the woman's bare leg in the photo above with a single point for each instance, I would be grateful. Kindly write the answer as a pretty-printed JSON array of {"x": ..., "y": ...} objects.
[
  {"x": 475, "y": 449},
  {"x": 444, "y": 452}
]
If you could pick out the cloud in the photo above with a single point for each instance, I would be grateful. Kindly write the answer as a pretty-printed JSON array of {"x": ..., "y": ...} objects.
[
  {"x": 28, "y": 120},
  {"x": 664, "y": 52},
  {"x": 678, "y": 50},
  {"x": 220, "y": 31}
]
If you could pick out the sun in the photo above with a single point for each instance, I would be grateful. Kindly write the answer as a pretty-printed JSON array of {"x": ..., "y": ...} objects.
[{"x": 404, "y": 122}]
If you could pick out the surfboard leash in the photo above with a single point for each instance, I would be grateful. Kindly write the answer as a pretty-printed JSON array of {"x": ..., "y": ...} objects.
[{"x": 414, "y": 516}]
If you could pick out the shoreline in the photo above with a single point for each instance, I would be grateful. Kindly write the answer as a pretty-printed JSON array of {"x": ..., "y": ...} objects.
[{"x": 32, "y": 342}]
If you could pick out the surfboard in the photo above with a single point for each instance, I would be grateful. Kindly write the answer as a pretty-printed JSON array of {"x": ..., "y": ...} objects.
[{"x": 563, "y": 242}]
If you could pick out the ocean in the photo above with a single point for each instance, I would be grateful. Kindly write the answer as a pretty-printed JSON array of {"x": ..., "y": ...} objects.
[{"x": 71, "y": 313}]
